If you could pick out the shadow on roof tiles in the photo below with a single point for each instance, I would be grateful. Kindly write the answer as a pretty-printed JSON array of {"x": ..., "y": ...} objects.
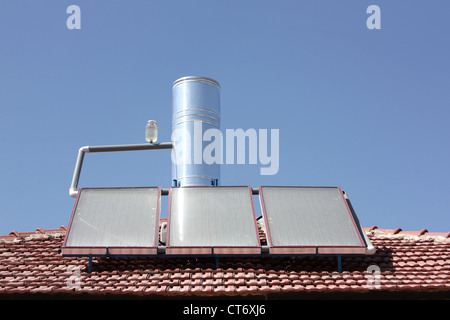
[{"x": 382, "y": 258}]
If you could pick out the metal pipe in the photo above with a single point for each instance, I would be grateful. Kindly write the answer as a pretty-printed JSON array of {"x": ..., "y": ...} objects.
[
  {"x": 130, "y": 147},
  {"x": 73, "y": 192},
  {"x": 370, "y": 249}
]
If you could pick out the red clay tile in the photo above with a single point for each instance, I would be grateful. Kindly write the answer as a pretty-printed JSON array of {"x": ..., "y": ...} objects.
[
  {"x": 439, "y": 234},
  {"x": 310, "y": 287},
  {"x": 416, "y": 262},
  {"x": 229, "y": 289}
]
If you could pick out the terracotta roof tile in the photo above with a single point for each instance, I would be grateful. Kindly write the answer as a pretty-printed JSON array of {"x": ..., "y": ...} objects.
[
  {"x": 416, "y": 233},
  {"x": 39, "y": 233},
  {"x": 30, "y": 262}
]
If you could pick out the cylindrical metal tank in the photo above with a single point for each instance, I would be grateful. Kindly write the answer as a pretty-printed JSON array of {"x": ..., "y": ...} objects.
[{"x": 195, "y": 109}]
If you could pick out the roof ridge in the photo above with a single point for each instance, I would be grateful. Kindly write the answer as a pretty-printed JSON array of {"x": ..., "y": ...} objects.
[
  {"x": 39, "y": 233},
  {"x": 398, "y": 232}
]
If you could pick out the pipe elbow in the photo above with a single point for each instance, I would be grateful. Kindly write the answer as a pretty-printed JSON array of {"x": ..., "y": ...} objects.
[
  {"x": 73, "y": 192},
  {"x": 370, "y": 250},
  {"x": 84, "y": 149}
]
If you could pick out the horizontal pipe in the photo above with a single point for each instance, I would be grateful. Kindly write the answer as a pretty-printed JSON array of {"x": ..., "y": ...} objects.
[
  {"x": 73, "y": 192},
  {"x": 161, "y": 252},
  {"x": 130, "y": 147}
]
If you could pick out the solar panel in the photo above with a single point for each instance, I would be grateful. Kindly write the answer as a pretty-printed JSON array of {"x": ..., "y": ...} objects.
[
  {"x": 309, "y": 220},
  {"x": 207, "y": 220},
  {"x": 114, "y": 220}
]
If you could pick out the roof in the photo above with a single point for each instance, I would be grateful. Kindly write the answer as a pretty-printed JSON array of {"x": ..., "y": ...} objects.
[{"x": 405, "y": 263}]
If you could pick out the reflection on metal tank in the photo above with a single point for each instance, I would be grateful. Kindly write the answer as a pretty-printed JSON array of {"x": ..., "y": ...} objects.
[{"x": 195, "y": 109}]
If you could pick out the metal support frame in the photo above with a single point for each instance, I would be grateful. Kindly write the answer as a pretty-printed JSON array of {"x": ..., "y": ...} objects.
[
  {"x": 217, "y": 261},
  {"x": 215, "y": 256},
  {"x": 73, "y": 191},
  {"x": 90, "y": 264}
]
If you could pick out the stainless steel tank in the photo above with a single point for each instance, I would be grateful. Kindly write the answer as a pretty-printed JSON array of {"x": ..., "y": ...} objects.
[{"x": 195, "y": 109}]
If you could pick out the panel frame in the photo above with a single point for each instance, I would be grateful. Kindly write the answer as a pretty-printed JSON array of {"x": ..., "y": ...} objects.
[
  {"x": 212, "y": 250},
  {"x": 311, "y": 249},
  {"x": 112, "y": 250}
]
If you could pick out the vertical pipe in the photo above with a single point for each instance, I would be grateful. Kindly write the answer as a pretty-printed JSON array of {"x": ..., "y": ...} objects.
[{"x": 195, "y": 109}]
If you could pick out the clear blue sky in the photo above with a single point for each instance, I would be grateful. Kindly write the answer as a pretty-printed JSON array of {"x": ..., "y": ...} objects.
[{"x": 366, "y": 110}]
